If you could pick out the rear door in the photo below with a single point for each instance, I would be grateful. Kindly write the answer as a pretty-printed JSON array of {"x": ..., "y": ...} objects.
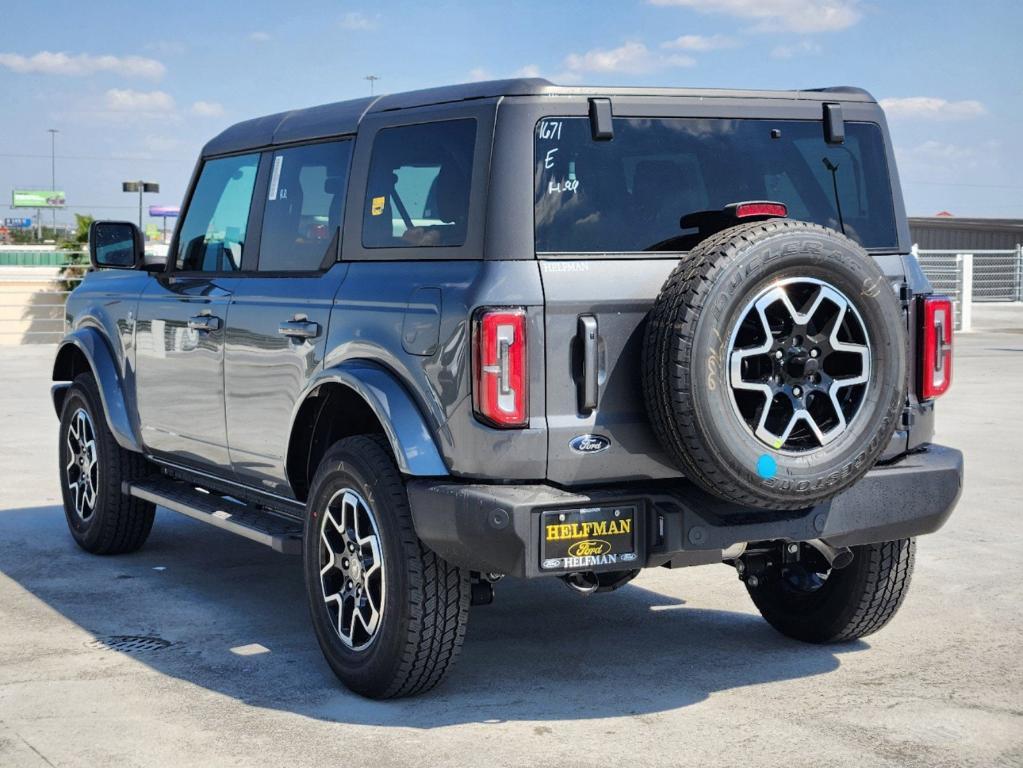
[
  {"x": 182, "y": 318},
  {"x": 279, "y": 312}
]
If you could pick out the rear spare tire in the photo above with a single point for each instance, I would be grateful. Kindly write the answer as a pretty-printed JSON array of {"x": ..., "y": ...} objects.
[{"x": 775, "y": 364}]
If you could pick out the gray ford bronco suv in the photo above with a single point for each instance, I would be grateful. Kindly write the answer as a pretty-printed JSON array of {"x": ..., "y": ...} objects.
[{"x": 431, "y": 339}]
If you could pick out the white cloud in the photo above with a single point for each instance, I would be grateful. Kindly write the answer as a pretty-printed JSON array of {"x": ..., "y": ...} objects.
[
  {"x": 794, "y": 15},
  {"x": 148, "y": 102},
  {"x": 260, "y": 37},
  {"x": 207, "y": 108},
  {"x": 631, "y": 58},
  {"x": 358, "y": 20},
  {"x": 701, "y": 43},
  {"x": 802, "y": 48},
  {"x": 931, "y": 108},
  {"x": 81, "y": 64},
  {"x": 476, "y": 74},
  {"x": 530, "y": 70}
]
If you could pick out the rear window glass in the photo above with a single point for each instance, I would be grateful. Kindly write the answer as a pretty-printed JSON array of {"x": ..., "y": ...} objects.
[
  {"x": 629, "y": 193},
  {"x": 419, "y": 182}
]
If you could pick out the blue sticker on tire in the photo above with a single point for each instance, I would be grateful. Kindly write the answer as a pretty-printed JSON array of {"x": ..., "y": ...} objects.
[{"x": 767, "y": 467}]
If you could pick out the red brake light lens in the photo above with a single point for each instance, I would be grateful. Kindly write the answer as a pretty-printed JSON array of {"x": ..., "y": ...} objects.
[
  {"x": 499, "y": 367},
  {"x": 749, "y": 210},
  {"x": 936, "y": 337}
]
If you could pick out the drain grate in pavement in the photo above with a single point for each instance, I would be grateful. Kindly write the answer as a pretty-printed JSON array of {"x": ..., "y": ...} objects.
[{"x": 128, "y": 643}]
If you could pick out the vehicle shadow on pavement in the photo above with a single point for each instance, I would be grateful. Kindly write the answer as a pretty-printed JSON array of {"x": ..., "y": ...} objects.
[{"x": 539, "y": 652}]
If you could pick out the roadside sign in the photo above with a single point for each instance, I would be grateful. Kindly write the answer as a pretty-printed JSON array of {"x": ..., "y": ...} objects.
[
  {"x": 18, "y": 223},
  {"x": 169, "y": 211},
  {"x": 37, "y": 198}
]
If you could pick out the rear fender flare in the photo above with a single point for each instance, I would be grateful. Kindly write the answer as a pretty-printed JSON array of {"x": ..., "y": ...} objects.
[
  {"x": 412, "y": 443},
  {"x": 96, "y": 351}
]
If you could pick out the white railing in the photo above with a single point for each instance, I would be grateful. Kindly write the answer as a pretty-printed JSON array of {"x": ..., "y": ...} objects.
[{"x": 976, "y": 276}]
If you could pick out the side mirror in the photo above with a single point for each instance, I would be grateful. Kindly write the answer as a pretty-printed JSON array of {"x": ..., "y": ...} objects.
[{"x": 116, "y": 245}]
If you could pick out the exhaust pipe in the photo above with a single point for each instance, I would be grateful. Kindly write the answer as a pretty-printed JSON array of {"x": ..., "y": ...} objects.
[
  {"x": 837, "y": 557},
  {"x": 583, "y": 582}
]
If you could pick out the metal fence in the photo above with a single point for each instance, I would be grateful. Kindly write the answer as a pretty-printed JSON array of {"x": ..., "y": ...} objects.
[{"x": 980, "y": 276}]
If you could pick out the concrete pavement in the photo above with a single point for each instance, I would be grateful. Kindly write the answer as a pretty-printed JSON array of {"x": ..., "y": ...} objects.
[{"x": 677, "y": 668}]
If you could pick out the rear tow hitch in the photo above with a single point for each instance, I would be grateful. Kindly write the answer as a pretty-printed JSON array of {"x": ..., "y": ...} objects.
[{"x": 769, "y": 561}]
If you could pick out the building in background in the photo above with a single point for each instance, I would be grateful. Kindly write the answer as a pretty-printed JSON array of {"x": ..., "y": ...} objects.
[{"x": 945, "y": 232}]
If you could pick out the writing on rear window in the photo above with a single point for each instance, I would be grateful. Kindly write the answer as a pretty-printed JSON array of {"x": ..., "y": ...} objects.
[{"x": 629, "y": 194}]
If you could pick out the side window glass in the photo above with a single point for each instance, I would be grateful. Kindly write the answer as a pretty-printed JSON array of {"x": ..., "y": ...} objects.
[
  {"x": 213, "y": 232},
  {"x": 419, "y": 183},
  {"x": 304, "y": 205}
]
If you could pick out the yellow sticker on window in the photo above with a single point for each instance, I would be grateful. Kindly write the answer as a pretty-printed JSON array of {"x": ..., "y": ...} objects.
[{"x": 378, "y": 205}]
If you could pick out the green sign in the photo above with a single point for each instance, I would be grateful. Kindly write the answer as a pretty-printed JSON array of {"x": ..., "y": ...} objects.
[{"x": 37, "y": 198}]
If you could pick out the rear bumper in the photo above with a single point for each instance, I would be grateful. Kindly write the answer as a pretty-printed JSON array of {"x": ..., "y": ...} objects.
[{"x": 496, "y": 528}]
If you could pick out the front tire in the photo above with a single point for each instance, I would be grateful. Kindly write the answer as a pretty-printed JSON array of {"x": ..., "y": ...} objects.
[
  {"x": 93, "y": 467},
  {"x": 840, "y": 605},
  {"x": 389, "y": 614}
]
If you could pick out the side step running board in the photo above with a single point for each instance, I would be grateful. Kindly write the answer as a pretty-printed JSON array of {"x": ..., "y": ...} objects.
[{"x": 258, "y": 525}]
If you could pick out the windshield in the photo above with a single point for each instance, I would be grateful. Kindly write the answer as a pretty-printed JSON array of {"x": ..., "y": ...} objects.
[{"x": 628, "y": 194}]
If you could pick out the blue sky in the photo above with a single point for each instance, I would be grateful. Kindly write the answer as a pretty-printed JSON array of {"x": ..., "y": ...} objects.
[{"x": 136, "y": 93}]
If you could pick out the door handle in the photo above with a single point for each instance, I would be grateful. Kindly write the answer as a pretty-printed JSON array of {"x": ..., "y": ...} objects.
[
  {"x": 204, "y": 323},
  {"x": 588, "y": 387},
  {"x": 299, "y": 329}
]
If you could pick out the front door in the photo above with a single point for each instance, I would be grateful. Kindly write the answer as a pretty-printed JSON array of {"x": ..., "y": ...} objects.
[
  {"x": 182, "y": 320},
  {"x": 277, "y": 327},
  {"x": 180, "y": 368}
]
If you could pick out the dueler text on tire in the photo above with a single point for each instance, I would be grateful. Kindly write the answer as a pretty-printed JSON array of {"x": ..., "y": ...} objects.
[
  {"x": 775, "y": 364},
  {"x": 389, "y": 614},
  {"x": 102, "y": 519}
]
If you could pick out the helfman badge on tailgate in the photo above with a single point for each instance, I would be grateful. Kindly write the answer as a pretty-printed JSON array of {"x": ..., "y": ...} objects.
[{"x": 589, "y": 444}]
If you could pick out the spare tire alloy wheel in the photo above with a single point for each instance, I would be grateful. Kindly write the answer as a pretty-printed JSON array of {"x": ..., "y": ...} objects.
[
  {"x": 775, "y": 364},
  {"x": 798, "y": 374},
  {"x": 351, "y": 568}
]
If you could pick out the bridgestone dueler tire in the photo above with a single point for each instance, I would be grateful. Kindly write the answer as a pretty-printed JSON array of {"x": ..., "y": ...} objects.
[
  {"x": 852, "y": 603},
  {"x": 426, "y": 604},
  {"x": 119, "y": 523},
  {"x": 685, "y": 363}
]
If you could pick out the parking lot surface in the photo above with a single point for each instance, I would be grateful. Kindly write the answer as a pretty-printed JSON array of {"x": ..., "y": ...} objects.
[{"x": 675, "y": 669}]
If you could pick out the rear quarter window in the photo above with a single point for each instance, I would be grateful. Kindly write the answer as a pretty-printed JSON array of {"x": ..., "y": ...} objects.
[{"x": 419, "y": 185}]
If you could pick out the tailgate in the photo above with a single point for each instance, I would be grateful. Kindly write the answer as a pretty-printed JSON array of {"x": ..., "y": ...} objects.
[{"x": 614, "y": 296}]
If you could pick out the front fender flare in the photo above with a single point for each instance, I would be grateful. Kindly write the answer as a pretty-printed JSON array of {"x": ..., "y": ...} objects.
[
  {"x": 90, "y": 342},
  {"x": 413, "y": 445}
]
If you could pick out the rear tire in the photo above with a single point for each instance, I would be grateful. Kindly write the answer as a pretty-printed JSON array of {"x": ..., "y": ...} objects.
[
  {"x": 389, "y": 614},
  {"x": 102, "y": 519},
  {"x": 851, "y": 603}
]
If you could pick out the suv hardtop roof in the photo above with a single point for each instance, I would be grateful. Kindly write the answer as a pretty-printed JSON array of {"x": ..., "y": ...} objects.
[{"x": 343, "y": 117}]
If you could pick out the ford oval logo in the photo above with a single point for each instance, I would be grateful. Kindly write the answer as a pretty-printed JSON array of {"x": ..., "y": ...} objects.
[{"x": 589, "y": 444}]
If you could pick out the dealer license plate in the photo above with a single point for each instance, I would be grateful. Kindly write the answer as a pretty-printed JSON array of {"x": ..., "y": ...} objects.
[{"x": 583, "y": 539}]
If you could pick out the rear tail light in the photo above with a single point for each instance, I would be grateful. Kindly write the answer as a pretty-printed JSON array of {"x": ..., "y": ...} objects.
[
  {"x": 936, "y": 359},
  {"x": 499, "y": 367}
]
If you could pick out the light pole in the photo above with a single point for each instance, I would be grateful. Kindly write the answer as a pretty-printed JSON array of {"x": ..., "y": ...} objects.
[
  {"x": 372, "y": 79},
  {"x": 140, "y": 187},
  {"x": 53, "y": 171}
]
